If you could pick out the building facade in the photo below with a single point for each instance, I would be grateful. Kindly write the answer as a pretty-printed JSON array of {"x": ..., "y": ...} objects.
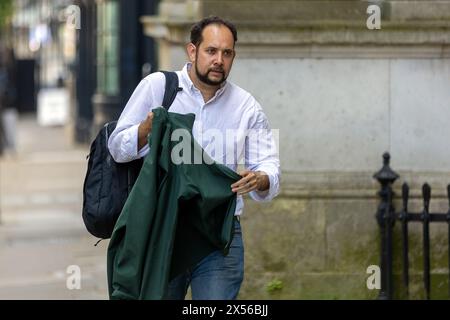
[
  {"x": 113, "y": 55},
  {"x": 95, "y": 49}
]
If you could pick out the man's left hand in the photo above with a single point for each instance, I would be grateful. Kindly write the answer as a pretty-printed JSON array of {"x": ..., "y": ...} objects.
[{"x": 252, "y": 180}]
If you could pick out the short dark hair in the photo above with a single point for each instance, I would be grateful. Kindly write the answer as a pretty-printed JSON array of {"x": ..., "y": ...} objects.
[{"x": 197, "y": 28}]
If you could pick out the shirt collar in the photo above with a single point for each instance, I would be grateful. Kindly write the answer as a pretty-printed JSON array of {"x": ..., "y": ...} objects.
[{"x": 189, "y": 84}]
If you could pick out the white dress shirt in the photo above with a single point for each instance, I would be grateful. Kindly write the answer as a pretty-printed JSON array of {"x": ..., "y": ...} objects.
[{"x": 232, "y": 115}]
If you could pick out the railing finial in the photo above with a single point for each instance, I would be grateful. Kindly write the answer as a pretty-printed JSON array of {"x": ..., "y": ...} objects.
[{"x": 386, "y": 175}]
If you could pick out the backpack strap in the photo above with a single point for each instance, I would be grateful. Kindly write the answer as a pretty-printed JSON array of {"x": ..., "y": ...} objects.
[{"x": 171, "y": 88}]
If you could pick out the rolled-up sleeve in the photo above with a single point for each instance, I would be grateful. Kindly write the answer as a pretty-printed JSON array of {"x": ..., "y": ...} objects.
[
  {"x": 262, "y": 155},
  {"x": 123, "y": 142}
]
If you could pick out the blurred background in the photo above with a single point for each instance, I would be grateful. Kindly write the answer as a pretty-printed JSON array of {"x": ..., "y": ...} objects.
[{"x": 342, "y": 83}]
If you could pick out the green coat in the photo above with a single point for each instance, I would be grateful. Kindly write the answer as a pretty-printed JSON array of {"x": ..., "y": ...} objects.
[{"x": 174, "y": 216}]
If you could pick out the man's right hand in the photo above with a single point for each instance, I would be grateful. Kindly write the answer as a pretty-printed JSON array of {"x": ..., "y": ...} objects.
[{"x": 144, "y": 129}]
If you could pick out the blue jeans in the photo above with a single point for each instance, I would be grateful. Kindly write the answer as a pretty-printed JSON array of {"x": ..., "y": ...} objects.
[{"x": 215, "y": 277}]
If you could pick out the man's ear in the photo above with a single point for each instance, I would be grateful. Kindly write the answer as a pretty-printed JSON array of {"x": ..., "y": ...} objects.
[{"x": 191, "y": 51}]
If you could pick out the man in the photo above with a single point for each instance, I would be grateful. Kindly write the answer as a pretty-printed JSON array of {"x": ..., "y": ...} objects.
[{"x": 221, "y": 106}]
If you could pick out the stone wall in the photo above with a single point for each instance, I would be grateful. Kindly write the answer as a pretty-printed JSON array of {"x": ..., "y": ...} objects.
[{"x": 317, "y": 240}]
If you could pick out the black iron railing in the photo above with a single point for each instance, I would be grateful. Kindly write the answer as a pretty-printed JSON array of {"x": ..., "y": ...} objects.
[{"x": 387, "y": 216}]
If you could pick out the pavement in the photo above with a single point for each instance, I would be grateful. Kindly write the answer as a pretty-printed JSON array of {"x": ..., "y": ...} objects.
[{"x": 45, "y": 250}]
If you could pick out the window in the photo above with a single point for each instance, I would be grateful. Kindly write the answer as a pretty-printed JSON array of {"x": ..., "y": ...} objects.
[{"x": 108, "y": 47}]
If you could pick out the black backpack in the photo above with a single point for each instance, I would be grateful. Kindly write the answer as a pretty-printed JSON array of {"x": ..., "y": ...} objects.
[{"x": 107, "y": 183}]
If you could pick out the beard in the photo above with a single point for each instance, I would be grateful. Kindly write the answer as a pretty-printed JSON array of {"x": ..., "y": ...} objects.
[{"x": 204, "y": 77}]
